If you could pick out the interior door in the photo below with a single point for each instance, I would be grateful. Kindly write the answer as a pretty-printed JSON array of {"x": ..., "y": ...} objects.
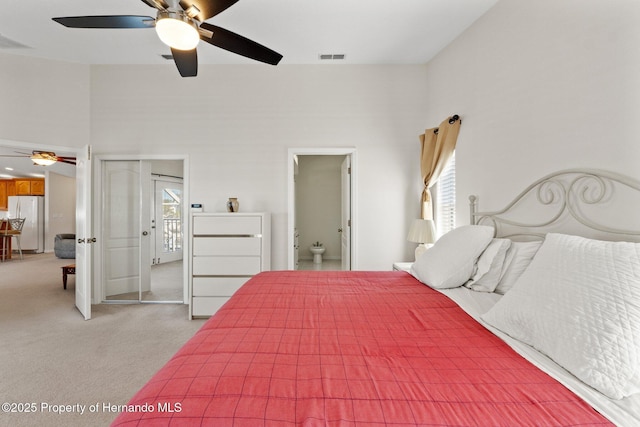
[
  {"x": 84, "y": 232},
  {"x": 126, "y": 229},
  {"x": 346, "y": 213}
]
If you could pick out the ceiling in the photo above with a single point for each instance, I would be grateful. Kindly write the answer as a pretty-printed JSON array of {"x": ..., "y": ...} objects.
[{"x": 365, "y": 31}]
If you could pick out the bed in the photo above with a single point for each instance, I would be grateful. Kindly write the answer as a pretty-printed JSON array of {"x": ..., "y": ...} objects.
[{"x": 450, "y": 343}]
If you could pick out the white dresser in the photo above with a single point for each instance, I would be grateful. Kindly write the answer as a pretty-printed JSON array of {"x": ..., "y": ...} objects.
[{"x": 226, "y": 250}]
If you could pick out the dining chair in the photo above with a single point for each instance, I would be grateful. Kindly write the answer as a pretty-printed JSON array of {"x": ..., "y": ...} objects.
[{"x": 14, "y": 229}]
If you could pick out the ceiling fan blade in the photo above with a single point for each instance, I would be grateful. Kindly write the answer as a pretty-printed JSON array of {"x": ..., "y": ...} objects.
[
  {"x": 67, "y": 160},
  {"x": 107, "y": 21},
  {"x": 208, "y": 8},
  {"x": 186, "y": 61},
  {"x": 236, "y": 43},
  {"x": 158, "y": 4}
]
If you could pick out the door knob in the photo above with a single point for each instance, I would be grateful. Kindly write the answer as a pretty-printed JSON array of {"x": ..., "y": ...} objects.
[
  {"x": 144, "y": 233},
  {"x": 340, "y": 230}
]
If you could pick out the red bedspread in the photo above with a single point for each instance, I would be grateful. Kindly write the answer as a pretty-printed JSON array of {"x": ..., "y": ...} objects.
[{"x": 349, "y": 349}]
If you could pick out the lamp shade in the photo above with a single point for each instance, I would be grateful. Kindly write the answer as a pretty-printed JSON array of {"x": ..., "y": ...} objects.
[{"x": 422, "y": 231}]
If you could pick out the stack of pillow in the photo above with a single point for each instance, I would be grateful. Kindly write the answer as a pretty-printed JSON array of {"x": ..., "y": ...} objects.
[
  {"x": 471, "y": 256},
  {"x": 577, "y": 300}
]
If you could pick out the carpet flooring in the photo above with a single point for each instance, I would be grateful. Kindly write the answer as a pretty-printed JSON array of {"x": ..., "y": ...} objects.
[{"x": 54, "y": 364}]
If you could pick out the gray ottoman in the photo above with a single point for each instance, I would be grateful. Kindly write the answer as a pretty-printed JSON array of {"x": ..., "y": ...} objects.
[{"x": 64, "y": 245}]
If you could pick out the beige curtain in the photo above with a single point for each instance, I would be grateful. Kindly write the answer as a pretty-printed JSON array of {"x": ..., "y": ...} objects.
[{"x": 437, "y": 146}]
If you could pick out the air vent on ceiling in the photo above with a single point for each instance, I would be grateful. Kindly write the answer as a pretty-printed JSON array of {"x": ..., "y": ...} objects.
[
  {"x": 332, "y": 56},
  {"x": 7, "y": 43}
]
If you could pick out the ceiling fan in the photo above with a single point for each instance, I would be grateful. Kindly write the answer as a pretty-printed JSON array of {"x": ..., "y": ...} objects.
[
  {"x": 44, "y": 158},
  {"x": 180, "y": 25}
]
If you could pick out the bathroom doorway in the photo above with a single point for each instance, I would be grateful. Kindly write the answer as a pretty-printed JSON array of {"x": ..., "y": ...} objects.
[{"x": 321, "y": 227}]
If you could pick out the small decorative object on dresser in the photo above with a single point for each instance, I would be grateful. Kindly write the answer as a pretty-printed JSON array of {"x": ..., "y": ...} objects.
[{"x": 233, "y": 205}]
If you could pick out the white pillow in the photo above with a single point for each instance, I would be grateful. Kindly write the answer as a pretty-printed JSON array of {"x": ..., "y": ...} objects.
[
  {"x": 579, "y": 303},
  {"x": 451, "y": 261},
  {"x": 516, "y": 261},
  {"x": 490, "y": 266}
]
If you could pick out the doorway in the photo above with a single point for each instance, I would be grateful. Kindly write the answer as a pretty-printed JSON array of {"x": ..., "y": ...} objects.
[
  {"x": 143, "y": 227},
  {"x": 77, "y": 222},
  {"x": 322, "y": 208}
]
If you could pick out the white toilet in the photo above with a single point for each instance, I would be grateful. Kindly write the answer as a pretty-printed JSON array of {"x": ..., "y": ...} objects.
[{"x": 317, "y": 252}]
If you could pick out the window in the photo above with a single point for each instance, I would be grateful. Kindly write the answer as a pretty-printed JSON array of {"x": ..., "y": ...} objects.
[
  {"x": 446, "y": 198},
  {"x": 171, "y": 220}
]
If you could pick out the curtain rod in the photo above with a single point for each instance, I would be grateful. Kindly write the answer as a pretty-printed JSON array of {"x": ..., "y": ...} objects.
[
  {"x": 452, "y": 120},
  {"x": 166, "y": 176}
]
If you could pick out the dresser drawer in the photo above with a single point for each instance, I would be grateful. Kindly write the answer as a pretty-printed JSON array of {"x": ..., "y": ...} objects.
[
  {"x": 227, "y": 246},
  {"x": 217, "y": 286},
  {"x": 227, "y": 249},
  {"x": 207, "y": 306},
  {"x": 232, "y": 224},
  {"x": 226, "y": 265}
]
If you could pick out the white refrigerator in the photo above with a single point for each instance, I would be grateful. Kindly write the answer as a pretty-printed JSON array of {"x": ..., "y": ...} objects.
[{"x": 31, "y": 208}]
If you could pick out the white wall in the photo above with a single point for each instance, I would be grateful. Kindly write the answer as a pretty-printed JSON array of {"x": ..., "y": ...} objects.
[
  {"x": 44, "y": 102},
  {"x": 171, "y": 168},
  {"x": 540, "y": 85},
  {"x": 237, "y": 123},
  {"x": 61, "y": 207},
  {"x": 318, "y": 204}
]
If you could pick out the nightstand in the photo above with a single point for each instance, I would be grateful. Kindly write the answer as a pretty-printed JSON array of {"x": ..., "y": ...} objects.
[{"x": 402, "y": 266}]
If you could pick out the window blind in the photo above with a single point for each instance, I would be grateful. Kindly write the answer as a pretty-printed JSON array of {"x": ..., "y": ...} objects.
[{"x": 446, "y": 198}]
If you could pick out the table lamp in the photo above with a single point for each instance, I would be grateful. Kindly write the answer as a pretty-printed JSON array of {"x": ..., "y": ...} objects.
[{"x": 423, "y": 232}]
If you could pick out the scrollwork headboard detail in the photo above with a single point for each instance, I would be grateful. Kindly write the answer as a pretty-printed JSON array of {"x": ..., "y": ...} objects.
[{"x": 587, "y": 202}]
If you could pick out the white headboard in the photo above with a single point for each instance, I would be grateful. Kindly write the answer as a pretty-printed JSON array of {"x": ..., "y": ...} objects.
[{"x": 586, "y": 202}]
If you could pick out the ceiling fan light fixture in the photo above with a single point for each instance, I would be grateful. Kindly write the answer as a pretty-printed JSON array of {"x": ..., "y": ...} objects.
[
  {"x": 177, "y": 30},
  {"x": 43, "y": 158}
]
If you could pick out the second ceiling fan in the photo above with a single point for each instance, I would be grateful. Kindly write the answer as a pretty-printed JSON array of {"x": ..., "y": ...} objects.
[
  {"x": 180, "y": 24},
  {"x": 43, "y": 158}
]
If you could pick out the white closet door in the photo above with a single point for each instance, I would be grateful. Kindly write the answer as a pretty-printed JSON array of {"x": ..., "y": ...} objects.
[{"x": 126, "y": 231}]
